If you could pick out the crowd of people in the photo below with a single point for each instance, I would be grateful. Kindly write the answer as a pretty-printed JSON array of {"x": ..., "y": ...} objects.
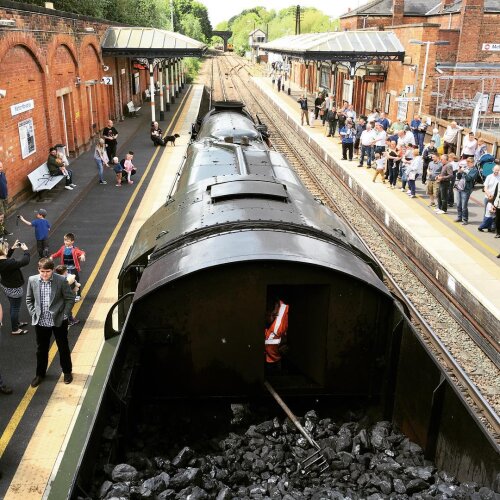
[{"x": 400, "y": 155}]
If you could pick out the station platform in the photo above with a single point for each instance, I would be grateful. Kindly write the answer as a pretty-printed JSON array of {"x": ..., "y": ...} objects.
[
  {"x": 460, "y": 257},
  {"x": 48, "y": 447}
]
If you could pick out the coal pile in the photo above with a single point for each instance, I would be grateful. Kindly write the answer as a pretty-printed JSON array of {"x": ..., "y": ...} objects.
[{"x": 261, "y": 461}]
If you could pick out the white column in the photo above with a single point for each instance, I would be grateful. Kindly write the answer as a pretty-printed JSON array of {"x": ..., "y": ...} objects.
[
  {"x": 176, "y": 78},
  {"x": 167, "y": 84},
  {"x": 160, "y": 79},
  {"x": 172, "y": 81},
  {"x": 152, "y": 91}
]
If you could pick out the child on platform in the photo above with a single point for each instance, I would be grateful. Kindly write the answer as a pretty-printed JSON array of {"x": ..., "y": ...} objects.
[{"x": 71, "y": 256}]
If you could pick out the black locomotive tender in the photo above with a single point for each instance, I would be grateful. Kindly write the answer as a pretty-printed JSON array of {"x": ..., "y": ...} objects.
[{"x": 240, "y": 229}]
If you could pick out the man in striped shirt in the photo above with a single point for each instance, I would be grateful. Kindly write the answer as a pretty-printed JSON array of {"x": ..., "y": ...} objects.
[{"x": 49, "y": 300}]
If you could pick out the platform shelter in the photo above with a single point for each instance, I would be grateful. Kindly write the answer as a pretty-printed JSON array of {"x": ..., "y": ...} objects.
[
  {"x": 154, "y": 48},
  {"x": 351, "y": 50}
]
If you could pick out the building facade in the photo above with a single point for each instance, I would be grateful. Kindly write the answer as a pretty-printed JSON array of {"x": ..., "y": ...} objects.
[
  {"x": 53, "y": 87},
  {"x": 464, "y": 62}
]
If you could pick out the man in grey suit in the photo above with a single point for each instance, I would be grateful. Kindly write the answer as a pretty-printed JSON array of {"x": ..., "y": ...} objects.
[{"x": 49, "y": 300}]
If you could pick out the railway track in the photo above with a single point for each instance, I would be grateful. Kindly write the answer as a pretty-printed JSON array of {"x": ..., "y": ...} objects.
[{"x": 469, "y": 358}]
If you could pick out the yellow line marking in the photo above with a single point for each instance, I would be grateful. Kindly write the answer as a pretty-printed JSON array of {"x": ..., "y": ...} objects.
[
  {"x": 458, "y": 227},
  {"x": 18, "y": 414}
]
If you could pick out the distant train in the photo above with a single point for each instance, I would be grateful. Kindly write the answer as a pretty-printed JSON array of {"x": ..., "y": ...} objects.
[
  {"x": 242, "y": 228},
  {"x": 230, "y": 47}
]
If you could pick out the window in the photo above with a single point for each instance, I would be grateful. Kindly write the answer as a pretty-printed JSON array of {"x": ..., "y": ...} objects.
[
  {"x": 324, "y": 77},
  {"x": 387, "y": 104},
  {"x": 496, "y": 104}
]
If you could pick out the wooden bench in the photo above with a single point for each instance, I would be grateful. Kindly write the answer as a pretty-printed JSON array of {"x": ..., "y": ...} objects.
[
  {"x": 41, "y": 180},
  {"x": 132, "y": 110}
]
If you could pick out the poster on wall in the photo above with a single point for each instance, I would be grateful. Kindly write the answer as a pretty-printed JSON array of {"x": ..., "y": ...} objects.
[{"x": 27, "y": 137}]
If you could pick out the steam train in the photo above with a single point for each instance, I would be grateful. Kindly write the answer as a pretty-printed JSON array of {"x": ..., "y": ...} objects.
[{"x": 241, "y": 229}]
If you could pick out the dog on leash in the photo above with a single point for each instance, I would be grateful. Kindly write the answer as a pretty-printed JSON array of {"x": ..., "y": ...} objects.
[{"x": 171, "y": 138}]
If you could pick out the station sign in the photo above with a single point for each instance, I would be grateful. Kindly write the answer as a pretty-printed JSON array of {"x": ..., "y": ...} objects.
[
  {"x": 21, "y": 107},
  {"x": 492, "y": 47},
  {"x": 407, "y": 99},
  {"x": 107, "y": 80}
]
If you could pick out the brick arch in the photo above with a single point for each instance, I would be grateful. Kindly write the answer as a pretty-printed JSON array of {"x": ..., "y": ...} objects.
[
  {"x": 92, "y": 42},
  {"x": 18, "y": 38},
  {"x": 58, "y": 41},
  {"x": 23, "y": 75}
]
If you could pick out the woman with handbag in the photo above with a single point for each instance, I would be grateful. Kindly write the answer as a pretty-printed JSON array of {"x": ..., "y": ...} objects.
[{"x": 12, "y": 281}]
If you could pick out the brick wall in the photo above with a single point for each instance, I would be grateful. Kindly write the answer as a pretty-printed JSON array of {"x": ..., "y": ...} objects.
[{"x": 50, "y": 58}]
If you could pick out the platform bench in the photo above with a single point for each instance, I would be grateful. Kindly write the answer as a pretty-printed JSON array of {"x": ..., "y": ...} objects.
[
  {"x": 132, "y": 109},
  {"x": 41, "y": 180}
]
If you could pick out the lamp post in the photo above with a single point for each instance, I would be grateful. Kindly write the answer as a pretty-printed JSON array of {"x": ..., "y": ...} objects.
[{"x": 427, "y": 44}]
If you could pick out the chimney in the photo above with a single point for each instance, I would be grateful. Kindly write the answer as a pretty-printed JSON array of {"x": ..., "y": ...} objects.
[
  {"x": 398, "y": 10},
  {"x": 469, "y": 44}
]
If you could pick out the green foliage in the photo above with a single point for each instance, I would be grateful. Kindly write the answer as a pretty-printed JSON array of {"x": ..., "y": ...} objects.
[
  {"x": 276, "y": 24},
  {"x": 190, "y": 17},
  {"x": 192, "y": 66},
  {"x": 202, "y": 30}
]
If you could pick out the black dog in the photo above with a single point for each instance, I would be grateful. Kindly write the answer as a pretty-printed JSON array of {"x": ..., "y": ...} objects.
[{"x": 171, "y": 138}]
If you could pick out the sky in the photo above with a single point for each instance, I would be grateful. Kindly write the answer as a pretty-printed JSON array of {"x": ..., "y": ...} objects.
[{"x": 219, "y": 10}]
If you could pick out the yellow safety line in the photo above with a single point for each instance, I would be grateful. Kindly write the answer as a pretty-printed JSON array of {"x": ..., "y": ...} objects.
[
  {"x": 30, "y": 392},
  {"x": 457, "y": 226}
]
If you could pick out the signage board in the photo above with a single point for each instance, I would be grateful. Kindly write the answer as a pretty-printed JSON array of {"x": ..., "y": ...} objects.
[
  {"x": 407, "y": 99},
  {"x": 402, "y": 110},
  {"x": 374, "y": 78},
  {"x": 107, "y": 80},
  {"x": 21, "y": 107},
  {"x": 491, "y": 47}
]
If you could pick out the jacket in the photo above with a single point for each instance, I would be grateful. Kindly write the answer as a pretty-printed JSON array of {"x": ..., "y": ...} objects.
[
  {"x": 275, "y": 333},
  {"x": 53, "y": 165},
  {"x": 4, "y": 192},
  {"x": 61, "y": 299},
  {"x": 75, "y": 251},
  {"x": 10, "y": 270},
  {"x": 347, "y": 135}
]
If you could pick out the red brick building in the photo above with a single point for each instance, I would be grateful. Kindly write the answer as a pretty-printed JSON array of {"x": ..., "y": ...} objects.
[
  {"x": 50, "y": 79},
  {"x": 470, "y": 63},
  {"x": 471, "y": 29}
]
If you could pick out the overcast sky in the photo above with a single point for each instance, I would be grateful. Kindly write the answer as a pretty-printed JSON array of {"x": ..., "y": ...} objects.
[{"x": 219, "y": 10}]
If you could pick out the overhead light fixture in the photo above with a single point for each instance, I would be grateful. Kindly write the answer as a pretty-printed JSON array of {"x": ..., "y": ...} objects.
[
  {"x": 89, "y": 29},
  {"x": 8, "y": 22},
  {"x": 3, "y": 93}
]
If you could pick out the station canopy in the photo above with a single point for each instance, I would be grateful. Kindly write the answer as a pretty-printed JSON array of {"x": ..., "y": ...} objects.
[
  {"x": 340, "y": 46},
  {"x": 149, "y": 43}
]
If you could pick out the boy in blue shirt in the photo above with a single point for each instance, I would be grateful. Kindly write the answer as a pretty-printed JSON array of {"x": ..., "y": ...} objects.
[{"x": 42, "y": 228}]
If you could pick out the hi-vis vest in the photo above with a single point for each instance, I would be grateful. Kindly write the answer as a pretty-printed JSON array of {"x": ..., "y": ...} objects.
[{"x": 274, "y": 334}]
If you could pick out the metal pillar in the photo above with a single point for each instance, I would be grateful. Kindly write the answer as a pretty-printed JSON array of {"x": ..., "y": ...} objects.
[
  {"x": 167, "y": 85},
  {"x": 172, "y": 82},
  {"x": 152, "y": 91},
  {"x": 183, "y": 75},
  {"x": 162, "y": 104},
  {"x": 176, "y": 72}
]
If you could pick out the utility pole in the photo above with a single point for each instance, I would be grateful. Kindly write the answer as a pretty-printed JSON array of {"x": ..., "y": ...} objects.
[{"x": 297, "y": 20}]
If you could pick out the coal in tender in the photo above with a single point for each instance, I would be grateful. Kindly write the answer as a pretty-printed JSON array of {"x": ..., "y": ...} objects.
[{"x": 261, "y": 460}]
